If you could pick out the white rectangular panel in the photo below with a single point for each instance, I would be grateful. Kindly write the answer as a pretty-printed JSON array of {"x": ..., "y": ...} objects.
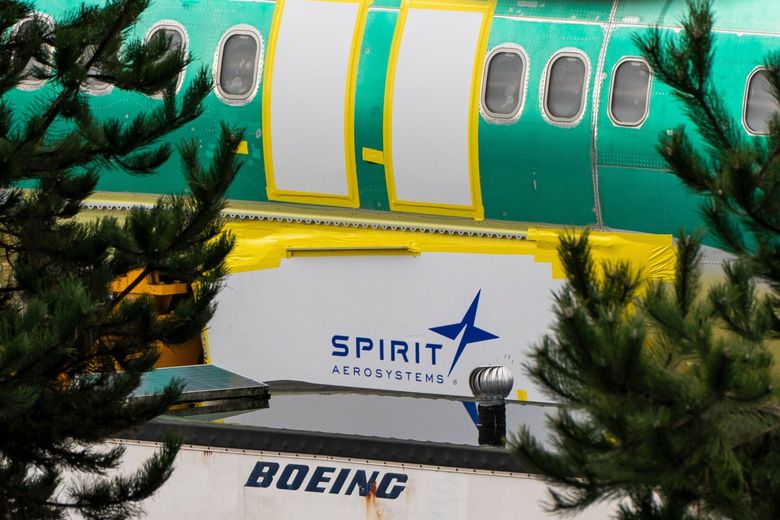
[
  {"x": 232, "y": 484},
  {"x": 385, "y": 322},
  {"x": 308, "y": 96},
  {"x": 431, "y": 106}
]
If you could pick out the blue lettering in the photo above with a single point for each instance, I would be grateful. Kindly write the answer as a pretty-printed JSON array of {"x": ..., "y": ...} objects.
[
  {"x": 262, "y": 475},
  {"x": 293, "y": 476},
  {"x": 398, "y": 347},
  {"x": 433, "y": 348},
  {"x": 362, "y": 482},
  {"x": 440, "y": 379},
  {"x": 397, "y": 350},
  {"x": 341, "y": 348},
  {"x": 335, "y": 369},
  {"x": 429, "y": 378},
  {"x": 319, "y": 477},
  {"x": 339, "y": 482},
  {"x": 284, "y": 481},
  {"x": 384, "y": 491},
  {"x": 363, "y": 344}
]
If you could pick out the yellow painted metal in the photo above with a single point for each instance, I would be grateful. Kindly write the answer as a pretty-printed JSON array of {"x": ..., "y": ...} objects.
[
  {"x": 263, "y": 245},
  {"x": 150, "y": 285},
  {"x": 181, "y": 354},
  {"x": 187, "y": 353},
  {"x": 243, "y": 148},
  {"x": 654, "y": 254},
  {"x": 351, "y": 200},
  {"x": 204, "y": 339},
  {"x": 476, "y": 210},
  {"x": 373, "y": 156}
]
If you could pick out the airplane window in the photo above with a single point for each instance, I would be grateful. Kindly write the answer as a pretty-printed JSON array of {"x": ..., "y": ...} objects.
[
  {"x": 237, "y": 71},
  {"x": 630, "y": 91},
  {"x": 760, "y": 103},
  {"x": 29, "y": 82},
  {"x": 92, "y": 84},
  {"x": 503, "y": 93},
  {"x": 565, "y": 88},
  {"x": 176, "y": 38},
  {"x": 177, "y": 41}
]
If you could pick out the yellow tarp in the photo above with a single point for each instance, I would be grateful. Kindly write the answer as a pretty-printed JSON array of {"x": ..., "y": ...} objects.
[{"x": 263, "y": 245}]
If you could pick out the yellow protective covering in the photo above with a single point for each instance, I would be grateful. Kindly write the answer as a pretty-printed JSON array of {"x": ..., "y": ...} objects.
[{"x": 263, "y": 245}]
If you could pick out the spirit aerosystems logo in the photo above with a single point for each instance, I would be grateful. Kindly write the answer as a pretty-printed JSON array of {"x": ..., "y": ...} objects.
[{"x": 420, "y": 361}]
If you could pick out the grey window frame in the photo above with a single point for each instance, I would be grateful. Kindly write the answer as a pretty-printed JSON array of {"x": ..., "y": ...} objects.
[
  {"x": 612, "y": 117},
  {"x": 564, "y": 53},
  {"x": 170, "y": 25},
  {"x": 515, "y": 115},
  {"x": 33, "y": 84},
  {"x": 750, "y": 77},
  {"x": 233, "y": 99}
]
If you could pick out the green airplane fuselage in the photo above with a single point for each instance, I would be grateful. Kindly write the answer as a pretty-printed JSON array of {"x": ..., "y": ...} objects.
[{"x": 528, "y": 169}]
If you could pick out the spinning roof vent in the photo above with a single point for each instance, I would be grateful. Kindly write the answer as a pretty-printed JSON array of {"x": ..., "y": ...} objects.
[{"x": 490, "y": 386}]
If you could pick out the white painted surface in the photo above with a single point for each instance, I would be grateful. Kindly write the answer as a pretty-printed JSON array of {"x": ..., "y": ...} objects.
[
  {"x": 279, "y": 324},
  {"x": 431, "y": 106},
  {"x": 211, "y": 484},
  {"x": 308, "y": 96}
]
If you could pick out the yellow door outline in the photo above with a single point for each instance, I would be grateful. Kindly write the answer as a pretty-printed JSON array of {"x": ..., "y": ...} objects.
[
  {"x": 351, "y": 200},
  {"x": 476, "y": 209}
]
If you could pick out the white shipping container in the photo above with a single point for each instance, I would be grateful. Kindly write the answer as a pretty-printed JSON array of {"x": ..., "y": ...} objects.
[{"x": 225, "y": 483}]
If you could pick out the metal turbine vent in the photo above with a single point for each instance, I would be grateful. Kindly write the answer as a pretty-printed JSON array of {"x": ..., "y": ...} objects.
[{"x": 491, "y": 385}]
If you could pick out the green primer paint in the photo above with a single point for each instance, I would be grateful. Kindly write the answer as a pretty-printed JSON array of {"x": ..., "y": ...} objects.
[
  {"x": 369, "y": 104},
  {"x": 531, "y": 170},
  {"x": 534, "y": 170}
]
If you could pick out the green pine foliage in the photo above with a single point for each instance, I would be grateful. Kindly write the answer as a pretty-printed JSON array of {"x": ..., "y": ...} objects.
[
  {"x": 71, "y": 352},
  {"x": 666, "y": 391}
]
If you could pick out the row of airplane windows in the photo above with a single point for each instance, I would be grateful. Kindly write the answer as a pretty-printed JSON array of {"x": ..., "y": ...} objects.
[
  {"x": 237, "y": 60},
  {"x": 504, "y": 83},
  {"x": 564, "y": 90}
]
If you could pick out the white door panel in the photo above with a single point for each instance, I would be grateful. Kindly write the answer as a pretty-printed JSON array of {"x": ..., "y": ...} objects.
[
  {"x": 432, "y": 149},
  {"x": 309, "y": 93}
]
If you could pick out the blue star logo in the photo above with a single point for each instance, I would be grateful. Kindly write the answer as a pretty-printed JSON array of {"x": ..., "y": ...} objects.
[{"x": 472, "y": 333}]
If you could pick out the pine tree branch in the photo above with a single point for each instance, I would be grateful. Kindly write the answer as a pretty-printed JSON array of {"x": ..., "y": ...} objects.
[
  {"x": 57, "y": 321},
  {"x": 147, "y": 270},
  {"x": 55, "y": 109},
  {"x": 773, "y": 155}
]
